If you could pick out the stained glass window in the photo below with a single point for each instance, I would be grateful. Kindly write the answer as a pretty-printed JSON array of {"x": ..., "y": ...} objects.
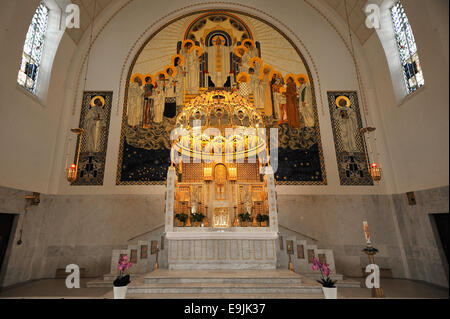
[
  {"x": 407, "y": 49},
  {"x": 32, "y": 50}
]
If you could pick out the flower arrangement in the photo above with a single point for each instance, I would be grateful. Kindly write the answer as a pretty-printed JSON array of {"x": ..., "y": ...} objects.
[
  {"x": 123, "y": 280},
  {"x": 325, "y": 271}
]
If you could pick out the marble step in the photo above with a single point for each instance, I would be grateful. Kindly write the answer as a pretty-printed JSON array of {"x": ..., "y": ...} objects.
[
  {"x": 99, "y": 284},
  {"x": 271, "y": 276},
  {"x": 222, "y": 281},
  {"x": 226, "y": 296},
  {"x": 223, "y": 289}
]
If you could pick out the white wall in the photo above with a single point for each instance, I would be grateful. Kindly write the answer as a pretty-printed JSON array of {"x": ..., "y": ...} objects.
[
  {"x": 28, "y": 125},
  {"x": 417, "y": 127}
]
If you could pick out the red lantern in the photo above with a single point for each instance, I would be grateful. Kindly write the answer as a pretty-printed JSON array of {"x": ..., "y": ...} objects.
[
  {"x": 72, "y": 173},
  {"x": 375, "y": 172}
]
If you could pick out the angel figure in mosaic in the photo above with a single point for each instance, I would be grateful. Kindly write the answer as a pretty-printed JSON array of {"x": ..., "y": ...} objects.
[
  {"x": 305, "y": 101},
  {"x": 277, "y": 84},
  {"x": 348, "y": 125},
  {"x": 135, "y": 102},
  {"x": 149, "y": 89},
  {"x": 93, "y": 124},
  {"x": 170, "y": 102},
  {"x": 159, "y": 99}
]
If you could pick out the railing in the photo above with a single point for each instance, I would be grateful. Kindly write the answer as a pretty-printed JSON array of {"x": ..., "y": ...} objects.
[
  {"x": 147, "y": 232},
  {"x": 294, "y": 231},
  {"x": 287, "y": 228}
]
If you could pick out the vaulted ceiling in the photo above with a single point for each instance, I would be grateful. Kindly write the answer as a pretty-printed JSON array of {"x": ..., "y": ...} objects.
[{"x": 355, "y": 9}]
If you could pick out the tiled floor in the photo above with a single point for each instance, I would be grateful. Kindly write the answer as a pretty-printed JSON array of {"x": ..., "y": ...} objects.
[{"x": 55, "y": 288}]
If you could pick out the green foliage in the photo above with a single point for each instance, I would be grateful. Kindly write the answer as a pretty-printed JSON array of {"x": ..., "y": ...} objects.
[
  {"x": 262, "y": 218},
  {"x": 197, "y": 217},
  {"x": 327, "y": 282},
  {"x": 181, "y": 217},
  {"x": 245, "y": 217}
]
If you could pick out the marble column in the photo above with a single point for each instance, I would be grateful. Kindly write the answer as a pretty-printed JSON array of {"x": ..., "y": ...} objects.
[{"x": 170, "y": 198}]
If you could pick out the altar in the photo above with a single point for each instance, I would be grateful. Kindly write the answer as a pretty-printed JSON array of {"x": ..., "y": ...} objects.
[{"x": 221, "y": 213}]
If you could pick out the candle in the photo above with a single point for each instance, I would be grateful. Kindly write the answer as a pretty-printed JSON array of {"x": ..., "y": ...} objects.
[{"x": 366, "y": 232}]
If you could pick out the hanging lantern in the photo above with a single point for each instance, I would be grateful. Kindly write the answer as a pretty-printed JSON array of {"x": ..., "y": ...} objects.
[
  {"x": 375, "y": 172},
  {"x": 72, "y": 173}
]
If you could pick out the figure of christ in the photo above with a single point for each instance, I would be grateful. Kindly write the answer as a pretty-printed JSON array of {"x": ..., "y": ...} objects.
[
  {"x": 267, "y": 91},
  {"x": 291, "y": 104},
  {"x": 276, "y": 86},
  {"x": 159, "y": 99},
  {"x": 305, "y": 102},
  {"x": 170, "y": 105},
  {"x": 148, "y": 102},
  {"x": 219, "y": 67},
  {"x": 135, "y": 103}
]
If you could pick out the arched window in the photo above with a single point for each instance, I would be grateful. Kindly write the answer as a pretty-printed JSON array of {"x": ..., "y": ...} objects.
[
  {"x": 407, "y": 48},
  {"x": 32, "y": 50}
]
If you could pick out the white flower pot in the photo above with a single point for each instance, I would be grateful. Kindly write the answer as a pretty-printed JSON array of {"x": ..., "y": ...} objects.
[
  {"x": 330, "y": 293},
  {"x": 120, "y": 292}
]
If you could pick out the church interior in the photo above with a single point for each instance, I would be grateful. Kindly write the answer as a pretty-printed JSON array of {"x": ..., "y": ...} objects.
[{"x": 224, "y": 149}]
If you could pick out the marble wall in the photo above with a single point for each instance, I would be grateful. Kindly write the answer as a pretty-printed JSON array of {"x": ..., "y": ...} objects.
[
  {"x": 74, "y": 229},
  {"x": 403, "y": 234},
  {"x": 84, "y": 229}
]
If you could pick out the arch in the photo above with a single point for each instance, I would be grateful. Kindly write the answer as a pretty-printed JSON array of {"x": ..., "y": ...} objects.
[{"x": 53, "y": 37}]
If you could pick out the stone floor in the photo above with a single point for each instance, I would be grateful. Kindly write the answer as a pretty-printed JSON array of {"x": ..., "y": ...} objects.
[{"x": 55, "y": 288}]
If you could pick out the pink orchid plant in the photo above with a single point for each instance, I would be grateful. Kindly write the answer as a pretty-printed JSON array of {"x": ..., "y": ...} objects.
[
  {"x": 325, "y": 271},
  {"x": 123, "y": 279}
]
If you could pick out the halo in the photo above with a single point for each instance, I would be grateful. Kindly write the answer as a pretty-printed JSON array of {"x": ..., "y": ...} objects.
[
  {"x": 236, "y": 50},
  {"x": 290, "y": 75},
  {"x": 277, "y": 73},
  {"x": 299, "y": 76},
  {"x": 249, "y": 40},
  {"x": 199, "y": 50},
  {"x": 266, "y": 66},
  {"x": 181, "y": 62},
  {"x": 183, "y": 44},
  {"x": 150, "y": 75},
  {"x": 138, "y": 75},
  {"x": 346, "y": 99},
  {"x": 283, "y": 89},
  {"x": 102, "y": 99},
  {"x": 159, "y": 73},
  {"x": 254, "y": 59},
  {"x": 242, "y": 75},
  {"x": 218, "y": 36},
  {"x": 174, "y": 69}
]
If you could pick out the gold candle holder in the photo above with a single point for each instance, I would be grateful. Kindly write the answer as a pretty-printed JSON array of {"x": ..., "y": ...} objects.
[{"x": 371, "y": 252}]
